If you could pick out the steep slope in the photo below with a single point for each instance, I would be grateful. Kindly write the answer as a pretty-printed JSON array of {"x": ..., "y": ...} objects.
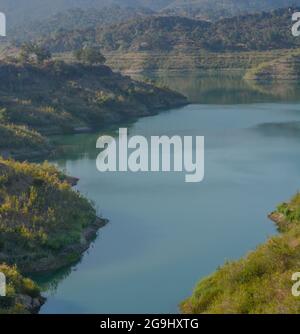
[
  {"x": 22, "y": 296},
  {"x": 262, "y": 281},
  {"x": 58, "y": 97},
  {"x": 44, "y": 224},
  {"x": 21, "y": 142}
]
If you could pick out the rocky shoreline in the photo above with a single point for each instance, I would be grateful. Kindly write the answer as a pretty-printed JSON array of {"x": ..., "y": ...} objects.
[
  {"x": 68, "y": 255},
  {"x": 25, "y": 303},
  {"x": 32, "y": 305},
  {"x": 45, "y": 226},
  {"x": 65, "y": 257}
]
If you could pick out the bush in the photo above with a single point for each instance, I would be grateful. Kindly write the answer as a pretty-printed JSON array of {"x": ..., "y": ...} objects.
[
  {"x": 259, "y": 283},
  {"x": 40, "y": 214},
  {"x": 16, "y": 285}
]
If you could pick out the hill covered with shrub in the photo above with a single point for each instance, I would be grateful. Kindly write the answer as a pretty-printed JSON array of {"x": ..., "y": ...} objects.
[
  {"x": 260, "y": 283},
  {"x": 22, "y": 294},
  {"x": 286, "y": 67},
  {"x": 251, "y": 32},
  {"x": 21, "y": 142},
  {"x": 44, "y": 224},
  {"x": 216, "y": 9},
  {"x": 55, "y": 98}
]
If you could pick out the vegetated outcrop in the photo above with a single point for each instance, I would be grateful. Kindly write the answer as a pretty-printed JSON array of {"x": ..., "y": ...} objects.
[
  {"x": 22, "y": 143},
  {"x": 44, "y": 224},
  {"x": 23, "y": 296},
  {"x": 262, "y": 281},
  {"x": 56, "y": 98}
]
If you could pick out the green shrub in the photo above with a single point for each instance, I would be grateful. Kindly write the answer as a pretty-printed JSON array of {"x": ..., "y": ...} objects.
[
  {"x": 16, "y": 285},
  {"x": 39, "y": 211},
  {"x": 259, "y": 283}
]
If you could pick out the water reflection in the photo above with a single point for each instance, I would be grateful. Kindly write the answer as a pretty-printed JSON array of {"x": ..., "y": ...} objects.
[
  {"x": 286, "y": 129},
  {"x": 225, "y": 87}
]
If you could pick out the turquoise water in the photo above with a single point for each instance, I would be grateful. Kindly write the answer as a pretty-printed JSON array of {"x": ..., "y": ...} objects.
[{"x": 164, "y": 234}]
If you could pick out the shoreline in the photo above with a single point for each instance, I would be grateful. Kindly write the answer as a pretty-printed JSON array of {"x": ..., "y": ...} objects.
[
  {"x": 70, "y": 254},
  {"x": 273, "y": 261}
]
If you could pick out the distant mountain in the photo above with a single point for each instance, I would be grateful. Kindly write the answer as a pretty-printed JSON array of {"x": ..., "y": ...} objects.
[
  {"x": 77, "y": 19},
  {"x": 216, "y": 9},
  {"x": 20, "y": 11},
  {"x": 264, "y": 31}
]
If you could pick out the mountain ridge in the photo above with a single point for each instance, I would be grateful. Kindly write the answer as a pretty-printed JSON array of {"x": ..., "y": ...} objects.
[
  {"x": 19, "y": 12},
  {"x": 251, "y": 32}
]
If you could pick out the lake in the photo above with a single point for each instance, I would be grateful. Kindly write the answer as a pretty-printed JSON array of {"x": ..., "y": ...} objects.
[{"x": 164, "y": 234}]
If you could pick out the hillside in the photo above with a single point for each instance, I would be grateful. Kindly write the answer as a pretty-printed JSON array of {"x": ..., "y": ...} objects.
[
  {"x": 216, "y": 9},
  {"x": 44, "y": 224},
  {"x": 56, "y": 98},
  {"x": 262, "y": 281},
  {"x": 21, "y": 142},
  {"x": 253, "y": 32},
  {"x": 286, "y": 67},
  {"x": 22, "y": 294},
  {"x": 20, "y": 11}
]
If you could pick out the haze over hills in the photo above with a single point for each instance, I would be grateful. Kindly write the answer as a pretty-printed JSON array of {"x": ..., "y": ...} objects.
[
  {"x": 215, "y": 9},
  {"x": 77, "y": 19},
  {"x": 20, "y": 11}
]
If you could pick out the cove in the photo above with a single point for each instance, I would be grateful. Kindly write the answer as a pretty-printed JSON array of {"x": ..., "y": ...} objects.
[{"x": 164, "y": 234}]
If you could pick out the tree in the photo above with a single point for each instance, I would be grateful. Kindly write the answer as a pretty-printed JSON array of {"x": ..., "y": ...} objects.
[
  {"x": 33, "y": 51},
  {"x": 91, "y": 55},
  {"x": 42, "y": 54}
]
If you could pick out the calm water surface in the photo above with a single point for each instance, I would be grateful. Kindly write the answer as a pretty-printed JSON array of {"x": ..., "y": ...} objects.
[{"x": 164, "y": 234}]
